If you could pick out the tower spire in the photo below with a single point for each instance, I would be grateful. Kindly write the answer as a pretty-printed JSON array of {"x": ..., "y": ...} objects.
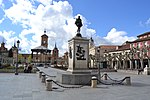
[
  {"x": 3, "y": 44},
  {"x": 3, "y": 40},
  {"x": 15, "y": 45},
  {"x": 55, "y": 46}
]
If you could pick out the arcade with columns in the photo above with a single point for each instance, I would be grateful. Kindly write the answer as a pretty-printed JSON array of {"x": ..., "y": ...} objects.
[{"x": 41, "y": 54}]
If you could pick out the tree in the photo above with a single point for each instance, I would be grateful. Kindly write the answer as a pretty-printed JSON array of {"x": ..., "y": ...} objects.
[
  {"x": 29, "y": 59},
  {"x": 20, "y": 58}
]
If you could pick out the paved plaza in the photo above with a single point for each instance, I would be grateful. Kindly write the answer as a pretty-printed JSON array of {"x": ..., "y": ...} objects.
[{"x": 29, "y": 87}]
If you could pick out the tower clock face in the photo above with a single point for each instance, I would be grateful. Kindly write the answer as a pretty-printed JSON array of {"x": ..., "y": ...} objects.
[{"x": 44, "y": 42}]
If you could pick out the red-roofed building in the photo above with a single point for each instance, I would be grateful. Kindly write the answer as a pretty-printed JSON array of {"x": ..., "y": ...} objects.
[
  {"x": 96, "y": 54},
  {"x": 117, "y": 58},
  {"x": 141, "y": 47},
  {"x": 130, "y": 55}
]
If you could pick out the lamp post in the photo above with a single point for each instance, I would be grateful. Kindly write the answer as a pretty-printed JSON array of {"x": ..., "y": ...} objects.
[
  {"x": 98, "y": 63},
  {"x": 45, "y": 59},
  {"x": 16, "y": 70}
]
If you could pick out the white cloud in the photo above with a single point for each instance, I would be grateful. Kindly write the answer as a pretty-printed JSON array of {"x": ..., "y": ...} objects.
[
  {"x": 56, "y": 17},
  {"x": 113, "y": 37},
  {"x": 148, "y": 22},
  {"x": 9, "y": 37},
  {"x": 117, "y": 37},
  {"x": 45, "y": 2},
  {"x": 145, "y": 23},
  {"x": 100, "y": 41},
  {"x": 20, "y": 11},
  {"x": 1, "y": 20},
  {"x": 1, "y": 4},
  {"x": 1, "y": 1}
]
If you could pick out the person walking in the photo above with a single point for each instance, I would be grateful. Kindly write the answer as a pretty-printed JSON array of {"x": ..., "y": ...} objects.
[
  {"x": 25, "y": 68},
  {"x": 29, "y": 68}
]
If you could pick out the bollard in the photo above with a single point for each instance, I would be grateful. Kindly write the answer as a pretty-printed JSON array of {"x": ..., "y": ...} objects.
[
  {"x": 48, "y": 84},
  {"x": 45, "y": 66},
  {"x": 94, "y": 82},
  {"x": 105, "y": 76},
  {"x": 40, "y": 74},
  {"x": 43, "y": 78},
  {"x": 128, "y": 80},
  {"x": 34, "y": 70},
  {"x": 46, "y": 77}
]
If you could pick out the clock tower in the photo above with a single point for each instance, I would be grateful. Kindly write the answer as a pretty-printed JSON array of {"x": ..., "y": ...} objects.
[{"x": 44, "y": 39}]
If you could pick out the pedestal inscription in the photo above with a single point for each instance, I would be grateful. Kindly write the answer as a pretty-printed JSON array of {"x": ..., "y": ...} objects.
[{"x": 78, "y": 54}]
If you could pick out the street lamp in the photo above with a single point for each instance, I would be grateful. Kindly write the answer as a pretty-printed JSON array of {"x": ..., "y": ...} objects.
[
  {"x": 98, "y": 63},
  {"x": 45, "y": 59},
  {"x": 16, "y": 71}
]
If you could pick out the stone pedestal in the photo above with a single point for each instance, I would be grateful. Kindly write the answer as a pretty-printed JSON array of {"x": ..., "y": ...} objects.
[
  {"x": 78, "y": 71},
  {"x": 78, "y": 55},
  {"x": 74, "y": 79},
  {"x": 147, "y": 70}
]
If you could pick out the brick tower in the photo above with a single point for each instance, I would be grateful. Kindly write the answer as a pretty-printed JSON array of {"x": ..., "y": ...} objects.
[
  {"x": 44, "y": 39},
  {"x": 55, "y": 54}
]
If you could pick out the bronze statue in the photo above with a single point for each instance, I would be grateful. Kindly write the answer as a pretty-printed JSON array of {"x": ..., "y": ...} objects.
[{"x": 78, "y": 23}]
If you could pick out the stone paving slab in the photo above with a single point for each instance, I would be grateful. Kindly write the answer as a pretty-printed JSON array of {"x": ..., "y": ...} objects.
[{"x": 29, "y": 87}]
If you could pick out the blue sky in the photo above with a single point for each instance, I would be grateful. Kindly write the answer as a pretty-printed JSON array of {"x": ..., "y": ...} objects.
[
  {"x": 125, "y": 15},
  {"x": 109, "y": 22}
]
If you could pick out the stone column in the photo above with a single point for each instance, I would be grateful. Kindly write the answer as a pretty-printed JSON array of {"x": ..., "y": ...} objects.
[
  {"x": 124, "y": 64},
  {"x": 131, "y": 64},
  {"x": 32, "y": 55},
  {"x": 111, "y": 62},
  {"x": 93, "y": 63},
  {"x": 141, "y": 61},
  {"x": 118, "y": 64},
  {"x": 135, "y": 64},
  {"x": 36, "y": 58},
  {"x": 149, "y": 63}
]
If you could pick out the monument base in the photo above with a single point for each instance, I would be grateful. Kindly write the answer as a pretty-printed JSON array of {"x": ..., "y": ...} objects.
[
  {"x": 75, "y": 78},
  {"x": 81, "y": 71}
]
